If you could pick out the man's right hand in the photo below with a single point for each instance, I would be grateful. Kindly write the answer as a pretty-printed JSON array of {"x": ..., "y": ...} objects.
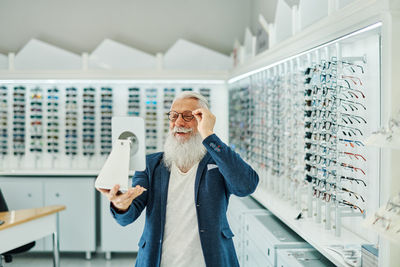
[{"x": 122, "y": 201}]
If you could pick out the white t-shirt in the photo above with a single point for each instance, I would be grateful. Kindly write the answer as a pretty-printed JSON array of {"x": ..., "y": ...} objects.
[{"x": 181, "y": 244}]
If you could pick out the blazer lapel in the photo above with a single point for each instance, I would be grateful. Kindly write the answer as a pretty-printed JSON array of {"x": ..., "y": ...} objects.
[
  {"x": 199, "y": 174},
  {"x": 164, "y": 193}
]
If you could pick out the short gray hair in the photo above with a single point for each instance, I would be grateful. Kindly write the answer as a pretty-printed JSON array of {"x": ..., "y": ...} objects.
[{"x": 190, "y": 94}]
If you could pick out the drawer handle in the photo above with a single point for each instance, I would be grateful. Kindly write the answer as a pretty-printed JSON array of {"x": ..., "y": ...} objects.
[
  {"x": 57, "y": 195},
  {"x": 29, "y": 195},
  {"x": 268, "y": 252}
]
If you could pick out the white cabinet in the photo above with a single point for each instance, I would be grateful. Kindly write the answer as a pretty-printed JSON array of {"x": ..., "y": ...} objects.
[
  {"x": 268, "y": 234},
  {"x": 238, "y": 210},
  {"x": 77, "y": 222},
  {"x": 117, "y": 238},
  {"x": 23, "y": 193},
  {"x": 303, "y": 257},
  {"x": 254, "y": 257}
]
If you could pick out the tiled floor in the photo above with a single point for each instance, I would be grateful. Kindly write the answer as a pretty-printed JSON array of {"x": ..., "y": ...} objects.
[{"x": 73, "y": 260}]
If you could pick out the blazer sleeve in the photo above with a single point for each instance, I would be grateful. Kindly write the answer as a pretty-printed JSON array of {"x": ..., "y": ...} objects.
[
  {"x": 240, "y": 178},
  {"x": 137, "y": 205}
]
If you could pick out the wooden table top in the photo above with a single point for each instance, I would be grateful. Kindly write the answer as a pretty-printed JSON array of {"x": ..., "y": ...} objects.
[{"x": 15, "y": 217}]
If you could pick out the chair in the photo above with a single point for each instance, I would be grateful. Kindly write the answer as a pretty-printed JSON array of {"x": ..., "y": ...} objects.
[{"x": 8, "y": 255}]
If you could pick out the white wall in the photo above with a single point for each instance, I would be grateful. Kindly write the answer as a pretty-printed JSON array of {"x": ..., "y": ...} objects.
[
  {"x": 266, "y": 8},
  {"x": 151, "y": 25}
]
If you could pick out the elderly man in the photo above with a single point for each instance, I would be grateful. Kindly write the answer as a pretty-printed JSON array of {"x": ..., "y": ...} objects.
[{"x": 185, "y": 191}]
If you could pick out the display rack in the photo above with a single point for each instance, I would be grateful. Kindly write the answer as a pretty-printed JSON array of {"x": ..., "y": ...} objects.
[
  {"x": 315, "y": 107},
  {"x": 66, "y": 125},
  {"x": 306, "y": 140}
]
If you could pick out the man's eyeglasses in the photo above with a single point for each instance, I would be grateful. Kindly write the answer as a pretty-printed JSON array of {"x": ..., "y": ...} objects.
[{"x": 186, "y": 115}]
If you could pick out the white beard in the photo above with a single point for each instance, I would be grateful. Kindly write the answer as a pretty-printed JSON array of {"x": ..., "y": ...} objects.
[{"x": 185, "y": 154}]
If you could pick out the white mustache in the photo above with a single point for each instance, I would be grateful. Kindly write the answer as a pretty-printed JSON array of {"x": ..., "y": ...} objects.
[{"x": 181, "y": 130}]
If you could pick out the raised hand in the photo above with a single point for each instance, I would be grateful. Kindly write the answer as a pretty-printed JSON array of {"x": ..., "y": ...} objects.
[
  {"x": 205, "y": 121},
  {"x": 122, "y": 201}
]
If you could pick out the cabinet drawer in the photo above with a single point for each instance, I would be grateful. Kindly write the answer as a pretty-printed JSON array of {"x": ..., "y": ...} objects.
[
  {"x": 254, "y": 256},
  {"x": 270, "y": 234},
  {"x": 267, "y": 251},
  {"x": 304, "y": 257}
]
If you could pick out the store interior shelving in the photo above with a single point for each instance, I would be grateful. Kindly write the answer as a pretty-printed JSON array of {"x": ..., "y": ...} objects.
[
  {"x": 71, "y": 129},
  {"x": 359, "y": 29},
  {"x": 349, "y": 31}
]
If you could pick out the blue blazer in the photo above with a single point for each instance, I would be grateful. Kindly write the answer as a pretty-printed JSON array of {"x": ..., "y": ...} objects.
[{"x": 220, "y": 173}]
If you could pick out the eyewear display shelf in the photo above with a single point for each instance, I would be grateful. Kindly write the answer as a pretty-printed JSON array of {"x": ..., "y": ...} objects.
[
  {"x": 300, "y": 119},
  {"x": 64, "y": 127}
]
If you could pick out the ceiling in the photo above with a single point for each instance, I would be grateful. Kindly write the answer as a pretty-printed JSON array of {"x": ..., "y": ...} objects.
[{"x": 151, "y": 26}]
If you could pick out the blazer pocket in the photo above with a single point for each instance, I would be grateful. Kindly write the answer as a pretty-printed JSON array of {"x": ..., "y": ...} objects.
[
  {"x": 142, "y": 242},
  {"x": 227, "y": 233},
  {"x": 211, "y": 167}
]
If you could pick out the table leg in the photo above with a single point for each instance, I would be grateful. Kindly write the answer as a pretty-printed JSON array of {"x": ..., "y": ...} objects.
[{"x": 56, "y": 252}]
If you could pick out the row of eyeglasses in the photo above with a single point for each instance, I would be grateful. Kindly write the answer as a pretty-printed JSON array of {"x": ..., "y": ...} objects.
[
  {"x": 53, "y": 120},
  {"x": 3, "y": 121},
  {"x": 106, "y": 110},
  {"x": 36, "y": 119},
  {"x": 71, "y": 120},
  {"x": 151, "y": 119},
  {"x": 335, "y": 120},
  {"x": 133, "y": 102},
  {"x": 238, "y": 122},
  {"x": 206, "y": 92},
  {"x": 89, "y": 118},
  {"x": 19, "y": 93},
  {"x": 169, "y": 95}
]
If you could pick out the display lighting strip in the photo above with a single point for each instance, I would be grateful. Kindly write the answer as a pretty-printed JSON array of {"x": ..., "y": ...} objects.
[
  {"x": 100, "y": 81},
  {"x": 247, "y": 74}
]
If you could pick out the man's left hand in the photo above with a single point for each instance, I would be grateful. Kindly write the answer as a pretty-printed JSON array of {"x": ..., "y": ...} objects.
[{"x": 205, "y": 121}]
